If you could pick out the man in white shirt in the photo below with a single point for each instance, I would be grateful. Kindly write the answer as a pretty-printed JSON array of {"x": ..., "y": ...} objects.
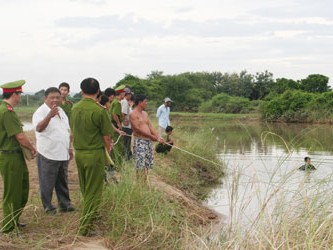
[
  {"x": 162, "y": 115},
  {"x": 126, "y": 125},
  {"x": 54, "y": 152}
]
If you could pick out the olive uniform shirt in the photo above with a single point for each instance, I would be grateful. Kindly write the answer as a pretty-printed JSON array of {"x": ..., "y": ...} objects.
[
  {"x": 89, "y": 123},
  {"x": 115, "y": 108},
  {"x": 67, "y": 107},
  {"x": 10, "y": 126}
]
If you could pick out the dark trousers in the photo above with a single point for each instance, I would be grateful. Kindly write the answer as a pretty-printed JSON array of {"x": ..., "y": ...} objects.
[
  {"x": 53, "y": 175},
  {"x": 127, "y": 143}
]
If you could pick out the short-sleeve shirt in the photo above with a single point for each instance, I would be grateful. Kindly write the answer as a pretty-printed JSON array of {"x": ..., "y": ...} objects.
[
  {"x": 67, "y": 107},
  {"x": 89, "y": 123},
  {"x": 115, "y": 108},
  {"x": 125, "y": 109},
  {"x": 53, "y": 141},
  {"x": 10, "y": 125}
]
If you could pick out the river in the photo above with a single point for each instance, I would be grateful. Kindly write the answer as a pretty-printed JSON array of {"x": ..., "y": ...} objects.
[{"x": 262, "y": 162}]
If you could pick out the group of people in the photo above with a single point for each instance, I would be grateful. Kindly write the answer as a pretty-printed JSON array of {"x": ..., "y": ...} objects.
[{"x": 89, "y": 131}]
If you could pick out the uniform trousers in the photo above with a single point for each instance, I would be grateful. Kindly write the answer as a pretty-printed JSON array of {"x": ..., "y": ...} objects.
[
  {"x": 53, "y": 175},
  {"x": 15, "y": 178},
  {"x": 90, "y": 165}
]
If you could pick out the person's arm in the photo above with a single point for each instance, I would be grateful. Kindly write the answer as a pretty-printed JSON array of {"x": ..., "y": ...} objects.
[
  {"x": 24, "y": 141},
  {"x": 116, "y": 118},
  {"x": 45, "y": 122},
  {"x": 108, "y": 144},
  {"x": 154, "y": 133},
  {"x": 134, "y": 119},
  {"x": 158, "y": 113}
]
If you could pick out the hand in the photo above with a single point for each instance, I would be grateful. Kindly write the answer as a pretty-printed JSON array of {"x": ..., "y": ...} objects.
[
  {"x": 71, "y": 155},
  {"x": 54, "y": 111},
  {"x": 160, "y": 140},
  {"x": 33, "y": 151}
]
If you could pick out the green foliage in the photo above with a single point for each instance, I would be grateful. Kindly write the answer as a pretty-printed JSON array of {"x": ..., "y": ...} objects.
[
  {"x": 295, "y": 106},
  {"x": 223, "y": 103},
  {"x": 315, "y": 83}
]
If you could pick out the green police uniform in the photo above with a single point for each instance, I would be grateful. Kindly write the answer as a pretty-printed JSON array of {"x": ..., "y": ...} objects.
[
  {"x": 117, "y": 152},
  {"x": 67, "y": 107},
  {"x": 13, "y": 168},
  {"x": 89, "y": 123}
]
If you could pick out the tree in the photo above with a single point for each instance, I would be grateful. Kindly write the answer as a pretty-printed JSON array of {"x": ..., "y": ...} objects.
[
  {"x": 261, "y": 85},
  {"x": 315, "y": 83},
  {"x": 283, "y": 84}
]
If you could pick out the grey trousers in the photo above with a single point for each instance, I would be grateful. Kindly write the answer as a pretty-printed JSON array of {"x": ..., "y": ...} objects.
[{"x": 53, "y": 175}]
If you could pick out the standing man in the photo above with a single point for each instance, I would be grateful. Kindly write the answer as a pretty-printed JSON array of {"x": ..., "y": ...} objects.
[
  {"x": 162, "y": 115},
  {"x": 144, "y": 134},
  {"x": 117, "y": 153},
  {"x": 13, "y": 167},
  {"x": 91, "y": 131},
  {"x": 65, "y": 104},
  {"x": 126, "y": 125},
  {"x": 54, "y": 151},
  {"x": 110, "y": 93}
]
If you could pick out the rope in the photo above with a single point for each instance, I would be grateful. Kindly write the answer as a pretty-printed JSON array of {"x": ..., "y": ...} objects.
[{"x": 183, "y": 150}]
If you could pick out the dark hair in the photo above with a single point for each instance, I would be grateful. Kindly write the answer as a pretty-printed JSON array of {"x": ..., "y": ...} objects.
[
  {"x": 132, "y": 98},
  {"x": 168, "y": 129},
  {"x": 90, "y": 86},
  {"x": 51, "y": 90},
  {"x": 64, "y": 84},
  {"x": 108, "y": 92},
  {"x": 307, "y": 158},
  {"x": 139, "y": 98},
  {"x": 7, "y": 95},
  {"x": 104, "y": 100}
]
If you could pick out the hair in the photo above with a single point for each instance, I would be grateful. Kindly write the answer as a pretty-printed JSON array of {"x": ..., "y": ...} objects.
[
  {"x": 307, "y": 158},
  {"x": 108, "y": 92},
  {"x": 51, "y": 90},
  {"x": 64, "y": 84},
  {"x": 7, "y": 95},
  {"x": 132, "y": 98},
  {"x": 139, "y": 98},
  {"x": 168, "y": 129},
  {"x": 90, "y": 86},
  {"x": 104, "y": 100}
]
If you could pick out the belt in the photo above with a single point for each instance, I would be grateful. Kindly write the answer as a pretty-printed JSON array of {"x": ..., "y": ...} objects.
[{"x": 15, "y": 151}]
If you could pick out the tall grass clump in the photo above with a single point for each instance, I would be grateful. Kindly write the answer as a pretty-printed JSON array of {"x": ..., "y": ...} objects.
[
  {"x": 192, "y": 165},
  {"x": 137, "y": 216}
]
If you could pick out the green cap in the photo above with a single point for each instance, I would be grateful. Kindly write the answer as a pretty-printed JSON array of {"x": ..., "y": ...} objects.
[
  {"x": 12, "y": 87},
  {"x": 120, "y": 89}
]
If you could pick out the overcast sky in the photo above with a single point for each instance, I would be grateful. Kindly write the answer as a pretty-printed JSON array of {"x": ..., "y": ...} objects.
[{"x": 46, "y": 42}]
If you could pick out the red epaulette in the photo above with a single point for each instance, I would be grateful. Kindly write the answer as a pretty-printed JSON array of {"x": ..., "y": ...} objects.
[{"x": 9, "y": 108}]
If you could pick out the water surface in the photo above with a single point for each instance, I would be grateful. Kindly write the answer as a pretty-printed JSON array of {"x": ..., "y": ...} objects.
[{"x": 262, "y": 163}]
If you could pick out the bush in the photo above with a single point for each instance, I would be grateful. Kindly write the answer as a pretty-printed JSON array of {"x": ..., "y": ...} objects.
[{"x": 223, "y": 103}]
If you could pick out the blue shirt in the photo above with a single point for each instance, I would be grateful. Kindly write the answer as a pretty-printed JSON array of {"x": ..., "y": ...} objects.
[{"x": 162, "y": 115}]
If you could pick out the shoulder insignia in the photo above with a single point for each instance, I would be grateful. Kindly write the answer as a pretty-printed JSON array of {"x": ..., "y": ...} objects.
[
  {"x": 100, "y": 105},
  {"x": 9, "y": 108}
]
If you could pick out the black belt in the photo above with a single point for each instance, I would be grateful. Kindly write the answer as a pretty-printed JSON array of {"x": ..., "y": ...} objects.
[{"x": 15, "y": 151}]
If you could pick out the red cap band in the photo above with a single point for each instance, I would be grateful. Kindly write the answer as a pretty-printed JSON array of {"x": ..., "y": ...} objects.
[{"x": 13, "y": 90}]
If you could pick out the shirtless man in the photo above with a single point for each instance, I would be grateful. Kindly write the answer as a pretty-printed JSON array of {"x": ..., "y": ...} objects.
[{"x": 144, "y": 134}]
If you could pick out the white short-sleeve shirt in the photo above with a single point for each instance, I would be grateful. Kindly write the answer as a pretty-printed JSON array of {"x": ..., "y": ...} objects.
[{"x": 53, "y": 142}]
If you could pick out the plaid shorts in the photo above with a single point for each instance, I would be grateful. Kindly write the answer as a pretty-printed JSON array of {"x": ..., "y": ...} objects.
[{"x": 143, "y": 153}]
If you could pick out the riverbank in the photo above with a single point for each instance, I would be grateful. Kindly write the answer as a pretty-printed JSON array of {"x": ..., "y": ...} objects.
[{"x": 166, "y": 214}]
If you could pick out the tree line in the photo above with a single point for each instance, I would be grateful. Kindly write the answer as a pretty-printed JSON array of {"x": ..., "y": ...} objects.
[{"x": 218, "y": 92}]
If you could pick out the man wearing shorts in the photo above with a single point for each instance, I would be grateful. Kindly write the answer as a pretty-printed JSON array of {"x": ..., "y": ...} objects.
[{"x": 144, "y": 134}]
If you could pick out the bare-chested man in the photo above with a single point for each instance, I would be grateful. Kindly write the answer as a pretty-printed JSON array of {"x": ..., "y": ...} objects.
[{"x": 144, "y": 134}]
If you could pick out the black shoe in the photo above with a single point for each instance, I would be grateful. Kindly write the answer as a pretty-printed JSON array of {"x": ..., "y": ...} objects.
[
  {"x": 51, "y": 211},
  {"x": 18, "y": 224},
  {"x": 70, "y": 208}
]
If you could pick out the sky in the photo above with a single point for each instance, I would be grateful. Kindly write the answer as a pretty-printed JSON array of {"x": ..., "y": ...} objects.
[{"x": 46, "y": 42}]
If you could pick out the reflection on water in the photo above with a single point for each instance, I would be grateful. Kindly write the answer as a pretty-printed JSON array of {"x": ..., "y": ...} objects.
[{"x": 262, "y": 168}]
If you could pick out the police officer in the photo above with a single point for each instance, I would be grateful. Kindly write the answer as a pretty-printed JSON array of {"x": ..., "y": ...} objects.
[
  {"x": 13, "y": 167},
  {"x": 65, "y": 104},
  {"x": 90, "y": 124}
]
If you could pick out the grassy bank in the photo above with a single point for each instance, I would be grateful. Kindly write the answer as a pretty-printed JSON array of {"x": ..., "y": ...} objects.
[{"x": 166, "y": 213}]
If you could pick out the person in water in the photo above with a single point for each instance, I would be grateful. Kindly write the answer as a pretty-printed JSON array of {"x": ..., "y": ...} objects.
[{"x": 307, "y": 165}]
